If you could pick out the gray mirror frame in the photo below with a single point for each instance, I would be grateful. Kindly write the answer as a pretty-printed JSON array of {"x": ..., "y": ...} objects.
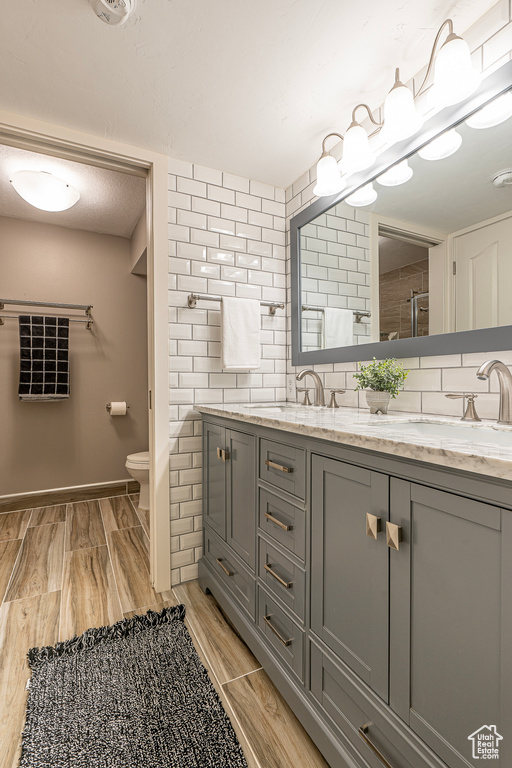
[{"x": 483, "y": 340}]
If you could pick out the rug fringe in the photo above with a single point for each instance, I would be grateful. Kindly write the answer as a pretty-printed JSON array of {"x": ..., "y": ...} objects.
[{"x": 91, "y": 637}]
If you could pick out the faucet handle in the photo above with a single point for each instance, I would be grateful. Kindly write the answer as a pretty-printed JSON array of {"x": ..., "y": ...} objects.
[
  {"x": 306, "y": 400},
  {"x": 334, "y": 392},
  {"x": 470, "y": 413}
]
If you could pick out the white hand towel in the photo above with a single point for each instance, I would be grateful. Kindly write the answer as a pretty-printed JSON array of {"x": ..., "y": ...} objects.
[
  {"x": 241, "y": 347},
  {"x": 337, "y": 328}
]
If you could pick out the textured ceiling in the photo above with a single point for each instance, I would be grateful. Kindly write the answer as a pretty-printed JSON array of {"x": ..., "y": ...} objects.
[
  {"x": 246, "y": 86},
  {"x": 110, "y": 202}
]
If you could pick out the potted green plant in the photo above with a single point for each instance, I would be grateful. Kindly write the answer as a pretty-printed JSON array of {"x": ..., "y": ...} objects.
[{"x": 382, "y": 379}]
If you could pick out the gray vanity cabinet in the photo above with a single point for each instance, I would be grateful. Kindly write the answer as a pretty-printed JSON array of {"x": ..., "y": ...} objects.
[
  {"x": 388, "y": 656},
  {"x": 229, "y": 488},
  {"x": 450, "y": 619},
  {"x": 349, "y": 569}
]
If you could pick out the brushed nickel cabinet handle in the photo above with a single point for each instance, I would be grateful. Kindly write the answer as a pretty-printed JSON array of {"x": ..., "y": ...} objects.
[
  {"x": 362, "y": 732},
  {"x": 372, "y": 525},
  {"x": 281, "y": 639},
  {"x": 285, "y": 584},
  {"x": 226, "y": 571},
  {"x": 393, "y": 535},
  {"x": 219, "y": 452},
  {"x": 225, "y": 455},
  {"x": 280, "y": 467},
  {"x": 278, "y": 522}
]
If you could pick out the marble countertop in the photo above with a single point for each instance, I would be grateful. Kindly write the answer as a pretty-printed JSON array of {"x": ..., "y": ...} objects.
[{"x": 483, "y": 448}]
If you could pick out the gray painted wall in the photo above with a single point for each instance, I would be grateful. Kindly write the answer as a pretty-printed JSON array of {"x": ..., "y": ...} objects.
[{"x": 75, "y": 442}]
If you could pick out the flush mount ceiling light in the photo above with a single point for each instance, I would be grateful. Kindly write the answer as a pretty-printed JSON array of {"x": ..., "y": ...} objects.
[
  {"x": 445, "y": 145},
  {"x": 494, "y": 113},
  {"x": 328, "y": 176},
  {"x": 361, "y": 197},
  {"x": 398, "y": 174},
  {"x": 113, "y": 12},
  {"x": 454, "y": 80},
  {"x": 44, "y": 191}
]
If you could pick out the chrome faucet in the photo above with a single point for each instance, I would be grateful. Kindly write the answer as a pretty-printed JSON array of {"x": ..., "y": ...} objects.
[
  {"x": 319, "y": 387},
  {"x": 505, "y": 382}
]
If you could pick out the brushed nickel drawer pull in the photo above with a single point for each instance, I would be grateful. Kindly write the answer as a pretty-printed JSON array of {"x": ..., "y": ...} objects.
[
  {"x": 362, "y": 732},
  {"x": 280, "y": 467},
  {"x": 228, "y": 573},
  {"x": 393, "y": 535},
  {"x": 372, "y": 525},
  {"x": 278, "y": 522},
  {"x": 285, "y": 584},
  {"x": 281, "y": 639}
]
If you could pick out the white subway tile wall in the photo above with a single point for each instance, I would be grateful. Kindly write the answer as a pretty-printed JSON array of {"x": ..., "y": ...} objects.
[
  {"x": 431, "y": 378},
  {"x": 226, "y": 238}
]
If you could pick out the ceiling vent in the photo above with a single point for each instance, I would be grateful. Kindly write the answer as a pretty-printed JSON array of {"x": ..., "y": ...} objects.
[{"x": 113, "y": 12}]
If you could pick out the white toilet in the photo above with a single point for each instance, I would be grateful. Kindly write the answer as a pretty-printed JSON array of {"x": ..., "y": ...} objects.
[{"x": 137, "y": 465}]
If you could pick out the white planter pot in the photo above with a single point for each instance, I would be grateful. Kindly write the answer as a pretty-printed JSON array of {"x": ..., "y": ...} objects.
[{"x": 378, "y": 401}]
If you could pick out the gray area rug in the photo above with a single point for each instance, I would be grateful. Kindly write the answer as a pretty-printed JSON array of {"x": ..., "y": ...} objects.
[{"x": 127, "y": 696}]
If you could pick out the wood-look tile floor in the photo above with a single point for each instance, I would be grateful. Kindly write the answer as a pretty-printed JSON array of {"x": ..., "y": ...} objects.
[{"x": 69, "y": 567}]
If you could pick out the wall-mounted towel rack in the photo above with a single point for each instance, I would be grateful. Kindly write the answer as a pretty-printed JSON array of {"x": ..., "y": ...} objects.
[
  {"x": 358, "y": 313},
  {"x": 195, "y": 297},
  {"x": 48, "y": 304}
]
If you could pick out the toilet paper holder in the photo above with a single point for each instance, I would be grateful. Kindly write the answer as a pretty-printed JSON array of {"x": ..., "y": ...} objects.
[{"x": 108, "y": 406}]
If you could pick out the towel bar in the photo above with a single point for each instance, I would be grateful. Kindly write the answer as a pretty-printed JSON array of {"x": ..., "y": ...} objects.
[
  {"x": 359, "y": 313},
  {"x": 195, "y": 297}
]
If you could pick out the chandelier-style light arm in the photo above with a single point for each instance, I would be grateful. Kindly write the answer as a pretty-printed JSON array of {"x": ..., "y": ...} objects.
[
  {"x": 448, "y": 23},
  {"x": 324, "y": 151},
  {"x": 370, "y": 115}
]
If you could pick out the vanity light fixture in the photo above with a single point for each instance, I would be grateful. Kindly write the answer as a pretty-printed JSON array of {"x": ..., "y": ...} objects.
[
  {"x": 445, "y": 145},
  {"x": 401, "y": 118},
  {"x": 397, "y": 174},
  {"x": 454, "y": 80},
  {"x": 494, "y": 113},
  {"x": 357, "y": 155},
  {"x": 45, "y": 191},
  {"x": 329, "y": 180},
  {"x": 364, "y": 196}
]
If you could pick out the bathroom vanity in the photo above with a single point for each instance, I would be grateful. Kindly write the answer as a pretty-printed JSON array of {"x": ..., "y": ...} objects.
[{"x": 367, "y": 563}]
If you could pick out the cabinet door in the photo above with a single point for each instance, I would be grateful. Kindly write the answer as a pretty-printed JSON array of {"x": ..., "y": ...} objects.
[
  {"x": 349, "y": 575},
  {"x": 214, "y": 486},
  {"x": 241, "y": 495},
  {"x": 451, "y": 621}
]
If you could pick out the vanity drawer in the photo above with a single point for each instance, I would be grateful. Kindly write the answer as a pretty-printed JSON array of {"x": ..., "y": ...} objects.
[
  {"x": 282, "y": 577},
  {"x": 285, "y": 637},
  {"x": 349, "y": 710},
  {"x": 231, "y": 572},
  {"x": 283, "y": 466},
  {"x": 283, "y": 522}
]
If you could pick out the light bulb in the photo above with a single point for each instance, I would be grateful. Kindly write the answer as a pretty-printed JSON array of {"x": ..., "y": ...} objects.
[
  {"x": 401, "y": 119},
  {"x": 328, "y": 177},
  {"x": 364, "y": 196},
  {"x": 494, "y": 113},
  {"x": 396, "y": 175},
  {"x": 357, "y": 154},
  {"x": 44, "y": 191},
  {"x": 445, "y": 145},
  {"x": 455, "y": 78}
]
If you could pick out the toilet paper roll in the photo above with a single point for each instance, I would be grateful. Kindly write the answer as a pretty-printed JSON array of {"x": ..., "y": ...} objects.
[{"x": 118, "y": 409}]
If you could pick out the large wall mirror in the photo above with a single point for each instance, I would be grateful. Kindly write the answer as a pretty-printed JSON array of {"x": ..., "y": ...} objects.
[{"x": 425, "y": 268}]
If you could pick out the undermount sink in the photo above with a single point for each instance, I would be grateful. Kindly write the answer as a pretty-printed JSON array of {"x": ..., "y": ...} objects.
[
  {"x": 465, "y": 432},
  {"x": 279, "y": 408}
]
